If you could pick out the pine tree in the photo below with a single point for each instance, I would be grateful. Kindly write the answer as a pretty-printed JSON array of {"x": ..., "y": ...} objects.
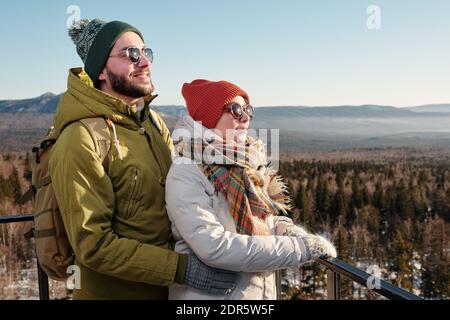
[
  {"x": 312, "y": 278},
  {"x": 373, "y": 221},
  {"x": 340, "y": 208},
  {"x": 400, "y": 256},
  {"x": 441, "y": 204},
  {"x": 342, "y": 246},
  {"x": 357, "y": 197},
  {"x": 303, "y": 203},
  {"x": 6, "y": 189},
  {"x": 323, "y": 199},
  {"x": 423, "y": 178},
  {"x": 436, "y": 263},
  {"x": 3, "y": 189},
  {"x": 447, "y": 213},
  {"x": 15, "y": 184},
  {"x": 404, "y": 202},
  {"x": 27, "y": 167},
  {"x": 339, "y": 178},
  {"x": 367, "y": 199}
]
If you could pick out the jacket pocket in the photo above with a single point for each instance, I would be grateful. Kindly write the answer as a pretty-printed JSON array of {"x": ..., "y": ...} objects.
[{"x": 135, "y": 185}]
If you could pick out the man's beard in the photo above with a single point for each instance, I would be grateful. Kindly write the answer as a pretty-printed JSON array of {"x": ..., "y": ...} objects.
[{"x": 123, "y": 85}]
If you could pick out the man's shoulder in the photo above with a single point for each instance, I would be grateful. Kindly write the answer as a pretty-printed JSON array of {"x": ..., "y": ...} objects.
[
  {"x": 159, "y": 122},
  {"x": 74, "y": 138}
]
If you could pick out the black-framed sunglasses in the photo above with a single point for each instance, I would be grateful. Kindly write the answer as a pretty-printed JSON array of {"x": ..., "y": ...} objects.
[
  {"x": 134, "y": 54},
  {"x": 237, "y": 111}
]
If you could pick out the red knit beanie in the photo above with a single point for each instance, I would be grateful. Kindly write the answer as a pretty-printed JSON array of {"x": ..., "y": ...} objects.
[{"x": 206, "y": 99}]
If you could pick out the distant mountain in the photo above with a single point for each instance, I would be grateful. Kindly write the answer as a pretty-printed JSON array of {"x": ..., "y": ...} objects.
[
  {"x": 174, "y": 111},
  {"x": 364, "y": 111},
  {"x": 45, "y": 103},
  {"x": 361, "y": 121},
  {"x": 300, "y": 127},
  {"x": 431, "y": 108},
  {"x": 48, "y": 102}
]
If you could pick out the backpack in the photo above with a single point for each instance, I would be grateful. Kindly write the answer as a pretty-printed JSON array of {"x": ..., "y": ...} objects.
[{"x": 53, "y": 250}]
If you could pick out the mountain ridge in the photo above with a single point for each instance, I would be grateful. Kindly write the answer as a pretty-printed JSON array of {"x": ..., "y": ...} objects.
[{"x": 47, "y": 103}]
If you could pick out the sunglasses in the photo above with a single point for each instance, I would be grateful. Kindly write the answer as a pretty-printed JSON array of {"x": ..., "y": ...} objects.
[
  {"x": 237, "y": 111},
  {"x": 134, "y": 54}
]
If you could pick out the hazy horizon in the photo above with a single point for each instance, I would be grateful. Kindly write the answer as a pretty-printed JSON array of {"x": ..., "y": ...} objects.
[{"x": 269, "y": 106}]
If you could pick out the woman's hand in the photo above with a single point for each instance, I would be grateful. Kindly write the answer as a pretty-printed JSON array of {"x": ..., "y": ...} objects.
[
  {"x": 285, "y": 227},
  {"x": 318, "y": 246}
]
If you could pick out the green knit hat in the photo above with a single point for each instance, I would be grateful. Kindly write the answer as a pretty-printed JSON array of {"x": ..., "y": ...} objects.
[{"x": 94, "y": 41}]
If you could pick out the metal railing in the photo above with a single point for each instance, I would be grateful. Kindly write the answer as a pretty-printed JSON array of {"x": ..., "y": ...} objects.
[
  {"x": 42, "y": 277},
  {"x": 335, "y": 269}
]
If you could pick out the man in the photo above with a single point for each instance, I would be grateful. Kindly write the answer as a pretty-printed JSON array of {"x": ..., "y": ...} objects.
[{"x": 115, "y": 214}]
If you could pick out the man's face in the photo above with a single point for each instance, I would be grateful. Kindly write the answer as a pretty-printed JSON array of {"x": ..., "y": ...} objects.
[{"x": 122, "y": 78}]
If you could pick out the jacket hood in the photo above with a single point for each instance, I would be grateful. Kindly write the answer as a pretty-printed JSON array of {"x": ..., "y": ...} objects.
[{"x": 82, "y": 100}]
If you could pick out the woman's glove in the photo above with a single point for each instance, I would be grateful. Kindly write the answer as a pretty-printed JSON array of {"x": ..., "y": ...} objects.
[
  {"x": 317, "y": 246},
  {"x": 285, "y": 227}
]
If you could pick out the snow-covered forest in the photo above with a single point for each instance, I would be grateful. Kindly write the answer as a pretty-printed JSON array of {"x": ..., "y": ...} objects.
[{"x": 387, "y": 212}]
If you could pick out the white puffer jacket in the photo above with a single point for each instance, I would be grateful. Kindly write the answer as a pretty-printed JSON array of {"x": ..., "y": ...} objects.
[{"x": 202, "y": 224}]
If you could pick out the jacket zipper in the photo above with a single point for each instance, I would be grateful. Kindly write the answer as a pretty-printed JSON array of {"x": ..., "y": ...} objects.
[
  {"x": 147, "y": 135},
  {"x": 133, "y": 190}
]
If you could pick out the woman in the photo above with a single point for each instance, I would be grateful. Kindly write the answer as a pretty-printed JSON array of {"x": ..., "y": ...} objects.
[{"x": 223, "y": 199}]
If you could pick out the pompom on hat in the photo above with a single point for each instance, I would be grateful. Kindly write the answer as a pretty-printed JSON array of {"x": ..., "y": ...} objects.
[
  {"x": 94, "y": 40},
  {"x": 205, "y": 100}
]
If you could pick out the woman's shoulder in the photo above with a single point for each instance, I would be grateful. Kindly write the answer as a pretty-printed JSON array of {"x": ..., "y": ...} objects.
[
  {"x": 183, "y": 163},
  {"x": 186, "y": 173},
  {"x": 185, "y": 167}
]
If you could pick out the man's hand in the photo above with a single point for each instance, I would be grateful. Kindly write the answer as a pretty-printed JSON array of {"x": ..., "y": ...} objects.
[{"x": 212, "y": 280}]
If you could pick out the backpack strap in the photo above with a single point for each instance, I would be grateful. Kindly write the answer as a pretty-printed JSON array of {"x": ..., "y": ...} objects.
[
  {"x": 48, "y": 140},
  {"x": 99, "y": 131}
]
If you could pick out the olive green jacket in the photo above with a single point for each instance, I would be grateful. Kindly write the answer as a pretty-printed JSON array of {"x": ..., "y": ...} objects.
[{"x": 116, "y": 221}]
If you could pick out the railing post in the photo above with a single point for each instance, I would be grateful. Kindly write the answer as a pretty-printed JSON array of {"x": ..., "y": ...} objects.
[
  {"x": 333, "y": 285},
  {"x": 43, "y": 283},
  {"x": 278, "y": 283}
]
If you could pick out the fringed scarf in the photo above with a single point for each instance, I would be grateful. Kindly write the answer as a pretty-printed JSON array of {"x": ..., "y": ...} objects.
[{"x": 241, "y": 173}]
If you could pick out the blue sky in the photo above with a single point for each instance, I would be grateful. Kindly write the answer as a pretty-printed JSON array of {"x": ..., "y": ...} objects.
[{"x": 285, "y": 52}]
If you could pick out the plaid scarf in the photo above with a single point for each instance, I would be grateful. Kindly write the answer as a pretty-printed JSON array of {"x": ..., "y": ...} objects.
[{"x": 242, "y": 174}]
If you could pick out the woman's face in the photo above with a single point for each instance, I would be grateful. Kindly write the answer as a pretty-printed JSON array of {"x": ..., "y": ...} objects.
[{"x": 233, "y": 129}]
